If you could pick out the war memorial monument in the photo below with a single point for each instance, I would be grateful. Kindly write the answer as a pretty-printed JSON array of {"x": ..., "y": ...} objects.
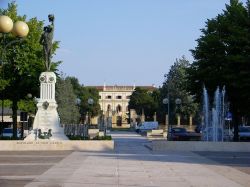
[{"x": 47, "y": 123}]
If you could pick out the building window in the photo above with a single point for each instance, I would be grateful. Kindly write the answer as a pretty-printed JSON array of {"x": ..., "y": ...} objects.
[
  {"x": 126, "y": 108},
  {"x": 108, "y": 97},
  {"x": 128, "y": 97},
  {"x": 109, "y": 108},
  {"x": 118, "y": 108},
  {"x": 118, "y": 97},
  {"x": 100, "y": 97}
]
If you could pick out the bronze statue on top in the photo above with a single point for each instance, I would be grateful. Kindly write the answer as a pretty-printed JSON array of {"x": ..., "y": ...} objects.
[{"x": 46, "y": 41}]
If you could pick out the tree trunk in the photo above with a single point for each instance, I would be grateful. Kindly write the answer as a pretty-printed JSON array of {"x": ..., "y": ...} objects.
[{"x": 14, "y": 117}]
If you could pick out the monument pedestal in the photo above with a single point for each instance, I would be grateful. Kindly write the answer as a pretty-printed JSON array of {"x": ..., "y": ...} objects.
[{"x": 47, "y": 118}]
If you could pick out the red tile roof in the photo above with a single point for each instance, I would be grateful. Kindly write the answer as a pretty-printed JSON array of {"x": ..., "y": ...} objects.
[{"x": 101, "y": 88}]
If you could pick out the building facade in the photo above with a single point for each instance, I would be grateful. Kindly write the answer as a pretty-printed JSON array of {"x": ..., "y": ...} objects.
[{"x": 114, "y": 101}]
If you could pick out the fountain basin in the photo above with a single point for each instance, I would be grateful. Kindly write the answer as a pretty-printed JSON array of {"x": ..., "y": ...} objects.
[{"x": 163, "y": 145}]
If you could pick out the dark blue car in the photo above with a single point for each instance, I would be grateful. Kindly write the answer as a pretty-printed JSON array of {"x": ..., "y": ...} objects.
[{"x": 181, "y": 134}]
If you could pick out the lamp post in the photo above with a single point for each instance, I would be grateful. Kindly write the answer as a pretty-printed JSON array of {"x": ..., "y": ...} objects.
[
  {"x": 178, "y": 103},
  {"x": 20, "y": 29},
  {"x": 109, "y": 118},
  {"x": 78, "y": 102},
  {"x": 90, "y": 102},
  {"x": 165, "y": 101}
]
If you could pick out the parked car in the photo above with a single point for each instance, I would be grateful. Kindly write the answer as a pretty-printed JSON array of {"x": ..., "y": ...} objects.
[
  {"x": 198, "y": 129},
  {"x": 244, "y": 132},
  {"x": 8, "y": 132},
  {"x": 181, "y": 134}
]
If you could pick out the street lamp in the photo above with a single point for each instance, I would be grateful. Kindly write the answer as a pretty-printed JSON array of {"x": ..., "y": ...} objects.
[
  {"x": 20, "y": 29},
  {"x": 78, "y": 102},
  {"x": 165, "y": 101},
  {"x": 178, "y": 103},
  {"x": 90, "y": 102}
]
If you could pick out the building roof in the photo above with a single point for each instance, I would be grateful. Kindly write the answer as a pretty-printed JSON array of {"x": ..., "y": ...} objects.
[{"x": 122, "y": 88}]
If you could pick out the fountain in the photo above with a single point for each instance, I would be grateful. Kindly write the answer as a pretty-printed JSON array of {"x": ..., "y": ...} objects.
[{"x": 214, "y": 118}]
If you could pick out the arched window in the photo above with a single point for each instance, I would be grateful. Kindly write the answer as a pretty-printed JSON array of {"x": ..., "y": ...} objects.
[
  {"x": 109, "y": 108},
  {"x": 118, "y": 108}
]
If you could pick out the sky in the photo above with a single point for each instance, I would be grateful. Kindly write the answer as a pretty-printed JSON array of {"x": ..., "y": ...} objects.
[{"x": 122, "y": 42}]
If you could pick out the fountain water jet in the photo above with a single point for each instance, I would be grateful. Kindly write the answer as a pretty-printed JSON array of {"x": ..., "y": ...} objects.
[{"x": 213, "y": 119}]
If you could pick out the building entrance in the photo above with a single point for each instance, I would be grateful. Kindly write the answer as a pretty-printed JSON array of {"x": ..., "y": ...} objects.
[{"x": 119, "y": 121}]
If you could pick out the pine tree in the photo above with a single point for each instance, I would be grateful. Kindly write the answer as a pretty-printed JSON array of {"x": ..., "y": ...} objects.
[{"x": 66, "y": 100}]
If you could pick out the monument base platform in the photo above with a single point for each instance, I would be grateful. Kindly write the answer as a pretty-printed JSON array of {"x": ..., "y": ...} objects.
[
  {"x": 55, "y": 137},
  {"x": 49, "y": 145}
]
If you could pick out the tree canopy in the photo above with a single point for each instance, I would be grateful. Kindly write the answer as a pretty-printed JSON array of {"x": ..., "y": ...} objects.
[
  {"x": 176, "y": 86},
  {"x": 222, "y": 55},
  {"x": 144, "y": 100},
  {"x": 76, "y": 85},
  {"x": 82, "y": 94},
  {"x": 85, "y": 94},
  {"x": 66, "y": 100}
]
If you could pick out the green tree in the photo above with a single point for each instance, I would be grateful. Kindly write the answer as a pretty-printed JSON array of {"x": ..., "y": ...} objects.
[
  {"x": 222, "y": 58},
  {"x": 66, "y": 100},
  {"x": 27, "y": 105},
  {"x": 85, "y": 94},
  {"x": 76, "y": 85},
  {"x": 23, "y": 62},
  {"x": 176, "y": 86},
  {"x": 143, "y": 99}
]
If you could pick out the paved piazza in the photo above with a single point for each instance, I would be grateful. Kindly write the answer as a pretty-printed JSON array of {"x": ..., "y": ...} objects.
[{"x": 132, "y": 163}]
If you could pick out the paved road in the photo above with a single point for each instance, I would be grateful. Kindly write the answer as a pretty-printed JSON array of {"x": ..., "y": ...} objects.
[
  {"x": 239, "y": 161},
  {"x": 20, "y": 168},
  {"x": 132, "y": 163}
]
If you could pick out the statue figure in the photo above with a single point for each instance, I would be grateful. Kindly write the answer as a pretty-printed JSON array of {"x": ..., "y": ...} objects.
[{"x": 46, "y": 41}]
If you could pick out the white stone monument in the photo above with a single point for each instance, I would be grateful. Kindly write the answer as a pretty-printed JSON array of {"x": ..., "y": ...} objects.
[{"x": 47, "y": 118}]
